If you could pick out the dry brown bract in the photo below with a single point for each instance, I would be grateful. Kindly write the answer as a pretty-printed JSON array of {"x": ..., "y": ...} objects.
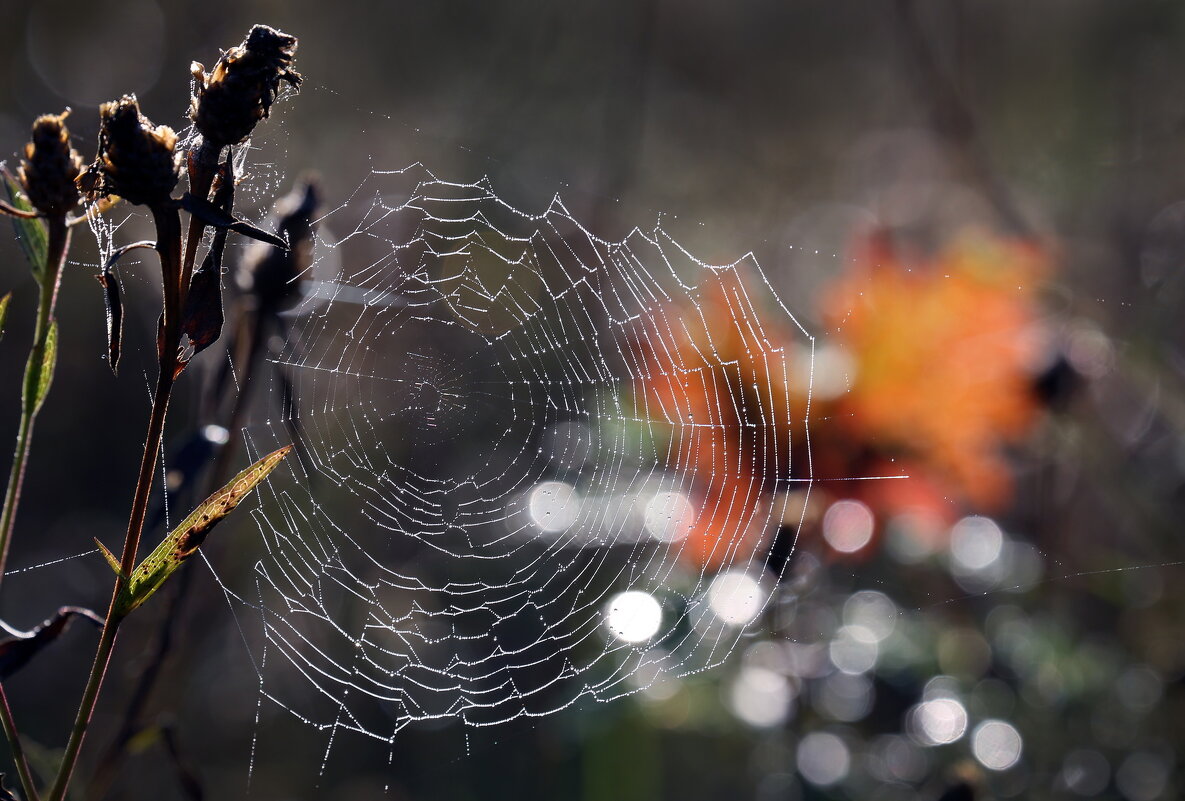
[
  {"x": 50, "y": 167},
  {"x": 136, "y": 159},
  {"x": 229, "y": 101}
]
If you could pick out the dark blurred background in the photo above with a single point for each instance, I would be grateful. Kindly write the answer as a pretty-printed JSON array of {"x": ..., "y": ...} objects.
[{"x": 781, "y": 128}]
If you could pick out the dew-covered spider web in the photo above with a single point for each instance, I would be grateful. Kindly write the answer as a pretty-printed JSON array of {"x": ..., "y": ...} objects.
[{"x": 540, "y": 468}]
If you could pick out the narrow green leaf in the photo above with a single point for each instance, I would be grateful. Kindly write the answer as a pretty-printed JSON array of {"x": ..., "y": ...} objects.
[
  {"x": 32, "y": 234},
  {"x": 42, "y": 375},
  {"x": 184, "y": 541},
  {"x": 4, "y": 312},
  {"x": 110, "y": 557}
]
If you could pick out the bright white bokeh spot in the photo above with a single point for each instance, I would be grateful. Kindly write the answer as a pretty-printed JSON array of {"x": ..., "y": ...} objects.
[
  {"x": 736, "y": 597},
  {"x": 823, "y": 758},
  {"x": 976, "y": 543},
  {"x": 554, "y": 506},
  {"x": 996, "y": 744},
  {"x": 216, "y": 434},
  {"x": 847, "y": 526},
  {"x": 938, "y": 722},
  {"x": 761, "y": 697},
  {"x": 633, "y": 616},
  {"x": 854, "y": 650},
  {"x": 668, "y": 516},
  {"x": 834, "y": 370},
  {"x": 872, "y": 610}
]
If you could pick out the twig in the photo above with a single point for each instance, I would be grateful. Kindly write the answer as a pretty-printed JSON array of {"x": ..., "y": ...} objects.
[
  {"x": 953, "y": 121},
  {"x": 18, "y": 751},
  {"x": 185, "y": 774},
  {"x": 132, "y": 722},
  {"x": 168, "y": 228},
  {"x": 59, "y": 243}
]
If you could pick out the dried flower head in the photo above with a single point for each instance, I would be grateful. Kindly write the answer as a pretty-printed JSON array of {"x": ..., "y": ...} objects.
[
  {"x": 270, "y": 275},
  {"x": 229, "y": 101},
  {"x": 50, "y": 167},
  {"x": 136, "y": 159}
]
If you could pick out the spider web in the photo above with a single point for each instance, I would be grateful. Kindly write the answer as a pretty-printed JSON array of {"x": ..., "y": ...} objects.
[{"x": 541, "y": 467}]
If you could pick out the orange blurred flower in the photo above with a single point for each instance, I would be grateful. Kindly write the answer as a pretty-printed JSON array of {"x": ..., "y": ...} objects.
[
  {"x": 944, "y": 352},
  {"x": 941, "y": 354},
  {"x": 716, "y": 376}
]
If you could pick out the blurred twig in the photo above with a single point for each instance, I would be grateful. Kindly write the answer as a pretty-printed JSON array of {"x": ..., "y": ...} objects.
[
  {"x": 185, "y": 775},
  {"x": 18, "y": 751},
  {"x": 953, "y": 121}
]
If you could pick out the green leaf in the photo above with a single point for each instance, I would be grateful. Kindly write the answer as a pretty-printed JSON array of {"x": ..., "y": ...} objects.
[
  {"x": 39, "y": 375},
  {"x": 4, "y": 312},
  {"x": 32, "y": 234},
  {"x": 185, "y": 540}
]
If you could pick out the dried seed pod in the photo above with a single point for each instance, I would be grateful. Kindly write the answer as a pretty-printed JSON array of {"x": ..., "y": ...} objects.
[
  {"x": 50, "y": 167},
  {"x": 136, "y": 160},
  {"x": 269, "y": 275},
  {"x": 230, "y": 100}
]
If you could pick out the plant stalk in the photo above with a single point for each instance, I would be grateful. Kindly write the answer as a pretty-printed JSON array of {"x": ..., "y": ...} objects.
[
  {"x": 203, "y": 167},
  {"x": 132, "y": 724},
  {"x": 59, "y": 243},
  {"x": 18, "y": 752},
  {"x": 168, "y": 229}
]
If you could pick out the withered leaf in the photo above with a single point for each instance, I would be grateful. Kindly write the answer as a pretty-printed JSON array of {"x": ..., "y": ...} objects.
[
  {"x": 120, "y": 252},
  {"x": 113, "y": 303},
  {"x": 202, "y": 321},
  {"x": 203, "y": 317},
  {"x": 215, "y": 217},
  {"x": 20, "y": 646}
]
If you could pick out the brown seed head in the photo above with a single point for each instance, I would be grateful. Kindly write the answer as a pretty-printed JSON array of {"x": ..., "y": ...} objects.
[
  {"x": 270, "y": 275},
  {"x": 230, "y": 100},
  {"x": 136, "y": 159},
  {"x": 50, "y": 167}
]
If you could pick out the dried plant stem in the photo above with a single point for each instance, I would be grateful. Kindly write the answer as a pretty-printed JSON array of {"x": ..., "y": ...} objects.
[
  {"x": 132, "y": 723},
  {"x": 112, "y": 759},
  {"x": 59, "y": 243},
  {"x": 203, "y": 167},
  {"x": 18, "y": 752},
  {"x": 168, "y": 229}
]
